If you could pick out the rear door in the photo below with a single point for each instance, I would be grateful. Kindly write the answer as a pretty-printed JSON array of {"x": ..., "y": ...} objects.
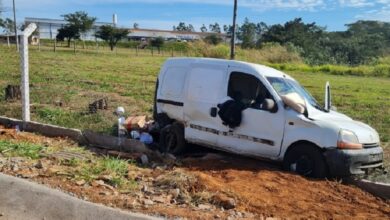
[
  {"x": 204, "y": 90},
  {"x": 261, "y": 131}
]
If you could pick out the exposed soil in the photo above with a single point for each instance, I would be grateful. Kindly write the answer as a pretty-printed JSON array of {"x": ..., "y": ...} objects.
[{"x": 247, "y": 188}]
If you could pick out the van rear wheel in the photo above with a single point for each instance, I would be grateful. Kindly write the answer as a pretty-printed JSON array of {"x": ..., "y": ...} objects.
[
  {"x": 172, "y": 139},
  {"x": 306, "y": 160}
]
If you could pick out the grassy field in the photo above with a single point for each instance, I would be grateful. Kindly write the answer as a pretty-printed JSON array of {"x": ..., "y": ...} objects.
[{"x": 78, "y": 79}]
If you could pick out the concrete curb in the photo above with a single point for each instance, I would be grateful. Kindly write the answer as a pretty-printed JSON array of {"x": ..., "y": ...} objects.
[
  {"x": 82, "y": 137},
  {"x": 21, "y": 199},
  {"x": 45, "y": 129}
]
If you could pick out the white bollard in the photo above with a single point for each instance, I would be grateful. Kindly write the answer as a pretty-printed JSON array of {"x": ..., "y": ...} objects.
[{"x": 24, "y": 71}]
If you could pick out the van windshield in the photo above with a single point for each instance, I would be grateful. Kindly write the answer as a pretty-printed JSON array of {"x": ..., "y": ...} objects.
[{"x": 285, "y": 86}]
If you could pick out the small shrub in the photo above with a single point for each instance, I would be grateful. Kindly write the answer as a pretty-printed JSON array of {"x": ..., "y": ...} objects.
[{"x": 219, "y": 51}]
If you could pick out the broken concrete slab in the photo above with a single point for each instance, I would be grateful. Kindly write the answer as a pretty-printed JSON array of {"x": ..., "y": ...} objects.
[
  {"x": 115, "y": 143},
  {"x": 21, "y": 199}
]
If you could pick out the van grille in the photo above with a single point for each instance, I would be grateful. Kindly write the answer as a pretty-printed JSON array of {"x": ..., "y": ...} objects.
[{"x": 370, "y": 145}]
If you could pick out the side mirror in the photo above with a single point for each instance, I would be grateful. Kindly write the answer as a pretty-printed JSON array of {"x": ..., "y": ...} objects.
[{"x": 268, "y": 104}]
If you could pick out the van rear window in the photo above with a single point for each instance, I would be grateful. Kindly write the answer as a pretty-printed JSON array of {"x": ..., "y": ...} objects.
[{"x": 173, "y": 82}]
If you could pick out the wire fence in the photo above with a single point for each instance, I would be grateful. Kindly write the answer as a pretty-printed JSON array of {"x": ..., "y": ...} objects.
[{"x": 101, "y": 48}]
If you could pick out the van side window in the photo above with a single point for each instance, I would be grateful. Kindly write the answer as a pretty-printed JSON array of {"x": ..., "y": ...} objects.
[{"x": 247, "y": 89}]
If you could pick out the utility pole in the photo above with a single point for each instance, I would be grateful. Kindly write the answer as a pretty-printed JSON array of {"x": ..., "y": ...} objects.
[
  {"x": 233, "y": 40},
  {"x": 15, "y": 27}
]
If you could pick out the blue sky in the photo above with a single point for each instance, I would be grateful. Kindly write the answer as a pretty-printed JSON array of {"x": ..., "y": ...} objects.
[{"x": 163, "y": 14}]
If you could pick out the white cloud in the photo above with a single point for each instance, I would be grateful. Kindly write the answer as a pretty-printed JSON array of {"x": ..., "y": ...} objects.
[
  {"x": 356, "y": 3},
  {"x": 382, "y": 14}
]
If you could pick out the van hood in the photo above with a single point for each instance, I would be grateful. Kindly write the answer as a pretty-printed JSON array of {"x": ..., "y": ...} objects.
[{"x": 364, "y": 133}]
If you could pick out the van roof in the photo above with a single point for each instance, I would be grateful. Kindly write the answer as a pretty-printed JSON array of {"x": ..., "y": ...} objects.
[{"x": 263, "y": 70}]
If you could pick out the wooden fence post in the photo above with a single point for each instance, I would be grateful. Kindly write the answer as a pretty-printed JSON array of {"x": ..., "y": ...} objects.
[
  {"x": 74, "y": 46},
  {"x": 55, "y": 45}
]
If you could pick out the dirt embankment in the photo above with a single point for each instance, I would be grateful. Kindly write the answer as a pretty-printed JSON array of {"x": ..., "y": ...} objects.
[
  {"x": 209, "y": 187},
  {"x": 267, "y": 191}
]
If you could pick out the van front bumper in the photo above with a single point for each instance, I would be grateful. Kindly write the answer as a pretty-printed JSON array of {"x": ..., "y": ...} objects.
[{"x": 352, "y": 162}]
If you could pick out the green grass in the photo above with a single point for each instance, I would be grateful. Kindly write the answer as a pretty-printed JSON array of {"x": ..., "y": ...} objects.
[
  {"x": 23, "y": 149},
  {"x": 113, "y": 167}
]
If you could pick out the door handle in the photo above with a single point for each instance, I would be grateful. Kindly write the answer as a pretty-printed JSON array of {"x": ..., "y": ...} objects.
[{"x": 213, "y": 112}]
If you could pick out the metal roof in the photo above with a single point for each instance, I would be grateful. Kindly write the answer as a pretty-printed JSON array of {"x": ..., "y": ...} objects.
[{"x": 56, "y": 21}]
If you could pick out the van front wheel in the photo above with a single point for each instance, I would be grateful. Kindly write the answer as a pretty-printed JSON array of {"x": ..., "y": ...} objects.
[
  {"x": 172, "y": 139},
  {"x": 306, "y": 160}
]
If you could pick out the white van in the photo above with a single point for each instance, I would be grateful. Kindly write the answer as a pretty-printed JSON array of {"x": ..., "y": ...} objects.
[{"x": 257, "y": 111}]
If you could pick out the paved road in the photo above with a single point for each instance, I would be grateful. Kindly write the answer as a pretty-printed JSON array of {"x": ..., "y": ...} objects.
[{"x": 21, "y": 199}]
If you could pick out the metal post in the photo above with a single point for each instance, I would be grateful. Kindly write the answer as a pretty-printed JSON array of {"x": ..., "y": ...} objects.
[
  {"x": 55, "y": 45},
  {"x": 233, "y": 40},
  {"x": 15, "y": 27},
  {"x": 24, "y": 71}
]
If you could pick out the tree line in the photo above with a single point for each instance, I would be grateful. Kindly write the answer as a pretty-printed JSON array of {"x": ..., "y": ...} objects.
[{"x": 363, "y": 41}]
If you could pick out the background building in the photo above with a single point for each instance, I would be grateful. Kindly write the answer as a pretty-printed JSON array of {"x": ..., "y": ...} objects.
[
  {"x": 48, "y": 28},
  {"x": 144, "y": 34}
]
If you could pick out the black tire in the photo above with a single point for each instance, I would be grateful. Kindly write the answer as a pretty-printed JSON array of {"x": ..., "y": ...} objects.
[
  {"x": 172, "y": 139},
  {"x": 306, "y": 160}
]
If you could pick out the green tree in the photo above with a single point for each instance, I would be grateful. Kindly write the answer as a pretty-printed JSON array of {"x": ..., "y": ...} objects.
[
  {"x": 203, "y": 28},
  {"x": 8, "y": 28},
  {"x": 158, "y": 42},
  {"x": 136, "y": 26},
  {"x": 68, "y": 32},
  {"x": 215, "y": 28},
  {"x": 247, "y": 34},
  {"x": 111, "y": 35},
  {"x": 213, "y": 39},
  {"x": 78, "y": 24},
  {"x": 183, "y": 27}
]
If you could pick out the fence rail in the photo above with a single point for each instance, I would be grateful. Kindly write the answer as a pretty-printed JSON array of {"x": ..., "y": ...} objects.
[{"x": 79, "y": 47}]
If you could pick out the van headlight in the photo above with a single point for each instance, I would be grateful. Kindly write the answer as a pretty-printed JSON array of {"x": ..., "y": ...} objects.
[{"x": 348, "y": 140}]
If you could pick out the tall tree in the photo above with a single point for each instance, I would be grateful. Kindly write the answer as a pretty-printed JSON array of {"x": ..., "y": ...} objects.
[
  {"x": 136, "y": 26},
  {"x": 215, "y": 28},
  {"x": 158, "y": 42},
  {"x": 111, "y": 35},
  {"x": 183, "y": 27},
  {"x": 68, "y": 32},
  {"x": 8, "y": 28},
  {"x": 78, "y": 24},
  {"x": 203, "y": 28},
  {"x": 247, "y": 34}
]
